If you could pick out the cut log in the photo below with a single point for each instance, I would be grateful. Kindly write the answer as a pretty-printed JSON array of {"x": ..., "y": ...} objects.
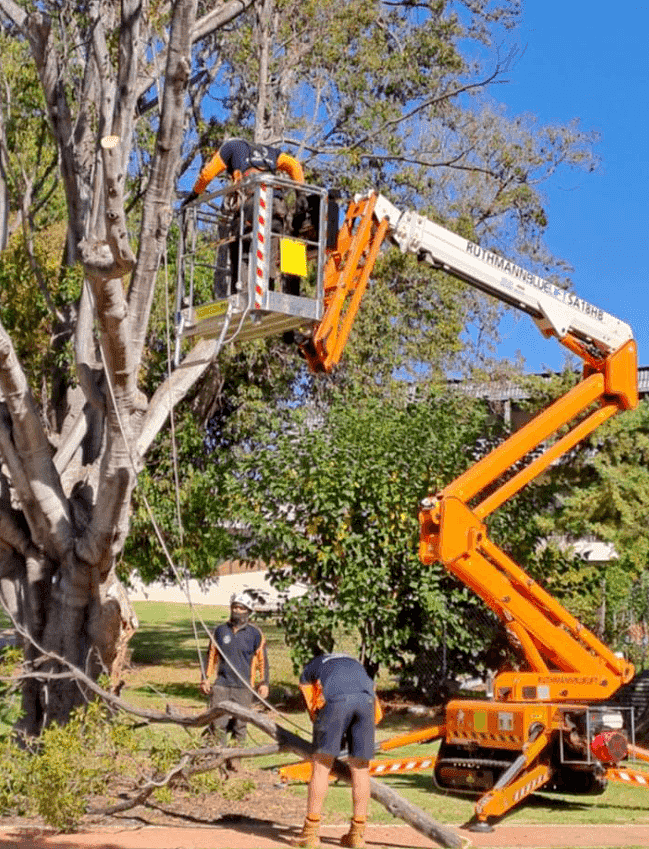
[{"x": 390, "y": 799}]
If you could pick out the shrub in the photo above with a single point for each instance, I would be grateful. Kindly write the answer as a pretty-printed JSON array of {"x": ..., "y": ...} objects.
[{"x": 56, "y": 775}]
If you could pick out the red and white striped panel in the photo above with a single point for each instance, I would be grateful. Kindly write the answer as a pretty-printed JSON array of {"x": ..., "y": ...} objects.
[
  {"x": 390, "y": 767},
  {"x": 261, "y": 280}
]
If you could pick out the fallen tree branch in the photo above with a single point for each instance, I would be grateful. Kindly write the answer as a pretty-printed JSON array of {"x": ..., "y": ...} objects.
[
  {"x": 186, "y": 769},
  {"x": 390, "y": 799}
]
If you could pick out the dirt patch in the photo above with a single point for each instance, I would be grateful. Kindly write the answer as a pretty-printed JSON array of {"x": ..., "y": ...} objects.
[{"x": 244, "y": 792}]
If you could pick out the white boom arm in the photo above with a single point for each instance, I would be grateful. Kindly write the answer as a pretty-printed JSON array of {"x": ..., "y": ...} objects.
[{"x": 556, "y": 311}]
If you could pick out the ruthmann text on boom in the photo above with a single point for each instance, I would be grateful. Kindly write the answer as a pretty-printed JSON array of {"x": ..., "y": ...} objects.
[{"x": 507, "y": 267}]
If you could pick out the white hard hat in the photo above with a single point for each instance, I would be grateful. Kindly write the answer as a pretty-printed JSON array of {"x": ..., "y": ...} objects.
[{"x": 245, "y": 598}]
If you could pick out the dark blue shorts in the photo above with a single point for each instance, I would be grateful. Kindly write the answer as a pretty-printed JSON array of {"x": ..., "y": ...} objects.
[{"x": 346, "y": 720}]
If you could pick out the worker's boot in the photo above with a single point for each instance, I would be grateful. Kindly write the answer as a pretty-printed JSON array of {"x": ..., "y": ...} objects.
[
  {"x": 309, "y": 836},
  {"x": 354, "y": 837}
]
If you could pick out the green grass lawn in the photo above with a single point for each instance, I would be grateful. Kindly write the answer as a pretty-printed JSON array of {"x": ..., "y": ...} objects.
[{"x": 166, "y": 670}]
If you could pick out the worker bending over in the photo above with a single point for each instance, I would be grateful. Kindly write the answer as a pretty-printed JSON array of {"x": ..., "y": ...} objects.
[
  {"x": 240, "y": 159},
  {"x": 340, "y": 698}
]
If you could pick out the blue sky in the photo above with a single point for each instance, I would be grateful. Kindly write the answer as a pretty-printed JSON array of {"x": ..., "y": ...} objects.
[{"x": 589, "y": 60}]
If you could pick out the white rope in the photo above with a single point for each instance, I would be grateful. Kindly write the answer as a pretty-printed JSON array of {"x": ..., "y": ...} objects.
[
  {"x": 159, "y": 535},
  {"x": 174, "y": 452}
]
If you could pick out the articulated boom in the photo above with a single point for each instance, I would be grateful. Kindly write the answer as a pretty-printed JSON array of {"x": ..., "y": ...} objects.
[
  {"x": 546, "y": 725},
  {"x": 566, "y": 661}
]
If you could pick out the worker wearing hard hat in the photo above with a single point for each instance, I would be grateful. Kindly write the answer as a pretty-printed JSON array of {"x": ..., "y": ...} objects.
[
  {"x": 240, "y": 159},
  {"x": 237, "y": 655},
  {"x": 340, "y": 698}
]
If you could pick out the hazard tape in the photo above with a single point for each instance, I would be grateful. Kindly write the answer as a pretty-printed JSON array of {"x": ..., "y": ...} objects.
[
  {"x": 302, "y": 771},
  {"x": 391, "y": 767},
  {"x": 530, "y": 787},
  {"x": 628, "y": 776},
  {"x": 260, "y": 282},
  {"x": 485, "y": 737}
]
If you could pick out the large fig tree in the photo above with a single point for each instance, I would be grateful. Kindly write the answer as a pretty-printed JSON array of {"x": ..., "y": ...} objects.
[{"x": 70, "y": 462}]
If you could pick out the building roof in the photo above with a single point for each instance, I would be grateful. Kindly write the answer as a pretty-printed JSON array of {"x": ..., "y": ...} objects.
[{"x": 515, "y": 390}]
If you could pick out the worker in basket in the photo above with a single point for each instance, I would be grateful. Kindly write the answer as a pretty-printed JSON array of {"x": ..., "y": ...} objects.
[{"x": 240, "y": 159}]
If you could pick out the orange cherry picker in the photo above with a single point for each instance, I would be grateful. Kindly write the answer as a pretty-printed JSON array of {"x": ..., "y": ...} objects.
[{"x": 551, "y": 723}]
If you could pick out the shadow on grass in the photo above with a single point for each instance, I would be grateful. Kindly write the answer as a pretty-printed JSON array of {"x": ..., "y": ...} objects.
[
  {"x": 167, "y": 644},
  {"x": 176, "y": 690},
  {"x": 544, "y": 802}
]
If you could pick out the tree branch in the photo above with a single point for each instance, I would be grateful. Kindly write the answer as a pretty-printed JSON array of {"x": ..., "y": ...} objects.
[
  {"x": 37, "y": 28},
  {"x": 390, "y": 799},
  {"x": 29, "y": 458},
  {"x": 174, "y": 389},
  {"x": 14, "y": 12},
  {"x": 219, "y": 17},
  {"x": 286, "y": 740},
  {"x": 185, "y": 769},
  {"x": 156, "y": 216}
]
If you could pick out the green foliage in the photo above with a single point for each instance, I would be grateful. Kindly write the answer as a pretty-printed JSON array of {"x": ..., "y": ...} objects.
[
  {"x": 228, "y": 788},
  {"x": 609, "y": 487},
  {"x": 15, "y": 777},
  {"x": 30, "y": 155},
  {"x": 164, "y": 754},
  {"x": 332, "y": 503},
  {"x": 601, "y": 492},
  {"x": 65, "y": 768},
  {"x": 409, "y": 327},
  {"x": 195, "y": 537},
  {"x": 25, "y": 311},
  {"x": 10, "y": 708}
]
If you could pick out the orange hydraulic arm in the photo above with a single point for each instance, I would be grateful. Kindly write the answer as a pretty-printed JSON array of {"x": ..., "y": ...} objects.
[
  {"x": 566, "y": 661},
  {"x": 346, "y": 275}
]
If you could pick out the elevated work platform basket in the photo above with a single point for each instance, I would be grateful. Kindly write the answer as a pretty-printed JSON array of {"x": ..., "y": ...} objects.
[{"x": 251, "y": 260}]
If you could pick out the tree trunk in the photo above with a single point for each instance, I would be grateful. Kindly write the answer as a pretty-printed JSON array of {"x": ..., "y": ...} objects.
[
  {"x": 65, "y": 493},
  {"x": 390, "y": 799}
]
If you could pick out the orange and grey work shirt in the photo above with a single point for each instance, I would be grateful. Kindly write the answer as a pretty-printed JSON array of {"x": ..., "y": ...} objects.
[
  {"x": 329, "y": 676},
  {"x": 245, "y": 648},
  {"x": 239, "y": 158}
]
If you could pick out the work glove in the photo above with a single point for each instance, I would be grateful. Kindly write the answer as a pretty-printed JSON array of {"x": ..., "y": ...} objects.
[{"x": 190, "y": 197}]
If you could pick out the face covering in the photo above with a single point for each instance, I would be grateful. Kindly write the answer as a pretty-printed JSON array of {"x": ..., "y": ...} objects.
[{"x": 239, "y": 616}]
